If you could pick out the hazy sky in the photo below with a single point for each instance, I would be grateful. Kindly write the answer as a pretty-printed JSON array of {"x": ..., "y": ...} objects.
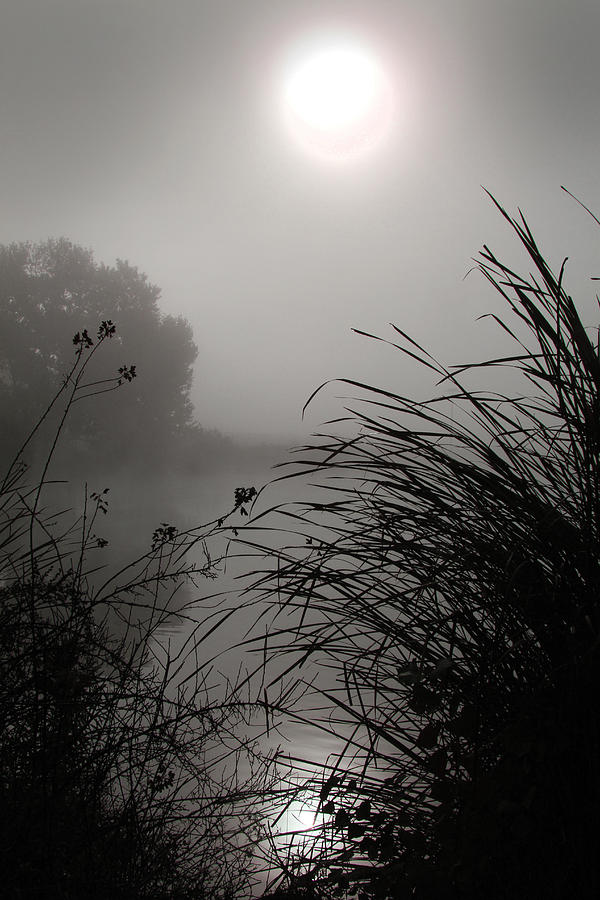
[{"x": 152, "y": 131}]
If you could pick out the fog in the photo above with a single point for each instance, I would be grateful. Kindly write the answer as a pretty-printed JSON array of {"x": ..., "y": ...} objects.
[
  {"x": 153, "y": 133},
  {"x": 237, "y": 265}
]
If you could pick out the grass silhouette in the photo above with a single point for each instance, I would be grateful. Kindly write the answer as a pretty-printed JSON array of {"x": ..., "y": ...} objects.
[{"x": 443, "y": 594}]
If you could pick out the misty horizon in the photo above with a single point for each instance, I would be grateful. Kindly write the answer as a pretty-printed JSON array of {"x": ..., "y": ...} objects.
[{"x": 153, "y": 134}]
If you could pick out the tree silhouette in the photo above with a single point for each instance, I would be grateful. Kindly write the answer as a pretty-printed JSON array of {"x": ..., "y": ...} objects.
[{"x": 56, "y": 288}]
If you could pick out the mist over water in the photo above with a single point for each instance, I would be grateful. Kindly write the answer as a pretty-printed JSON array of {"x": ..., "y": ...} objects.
[{"x": 183, "y": 262}]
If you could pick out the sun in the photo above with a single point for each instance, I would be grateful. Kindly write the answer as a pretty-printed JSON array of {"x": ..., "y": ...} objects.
[
  {"x": 337, "y": 100},
  {"x": 301, "y": 815}
]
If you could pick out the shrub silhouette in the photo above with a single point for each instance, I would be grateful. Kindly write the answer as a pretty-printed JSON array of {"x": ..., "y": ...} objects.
[
  {"x": 445, "y": 585},
  {"x": 122, "y": 774}
]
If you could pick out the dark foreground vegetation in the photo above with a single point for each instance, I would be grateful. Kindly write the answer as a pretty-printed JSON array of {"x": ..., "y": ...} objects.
[
  {"x": 446, "y": 585},
  {"x": 435, "y": 610},
  {"x": 125, "y": 766}
]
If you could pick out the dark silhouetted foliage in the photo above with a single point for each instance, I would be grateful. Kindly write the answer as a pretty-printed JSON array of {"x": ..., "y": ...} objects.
[
  {"x": 124, "y": 771},
  {"x": 446, "y": 584}
]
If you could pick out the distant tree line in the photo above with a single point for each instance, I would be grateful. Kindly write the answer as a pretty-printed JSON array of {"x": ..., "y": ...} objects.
[{"x": 48, "y": 292}]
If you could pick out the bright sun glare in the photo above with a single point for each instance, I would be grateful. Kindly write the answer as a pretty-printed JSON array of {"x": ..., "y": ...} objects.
[
  {"x": 337, "y": 101},
  {"x": 300, "y": 815}
]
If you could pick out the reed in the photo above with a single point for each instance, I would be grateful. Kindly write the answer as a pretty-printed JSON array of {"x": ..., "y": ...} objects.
[{"x": 442, "y": 593}]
